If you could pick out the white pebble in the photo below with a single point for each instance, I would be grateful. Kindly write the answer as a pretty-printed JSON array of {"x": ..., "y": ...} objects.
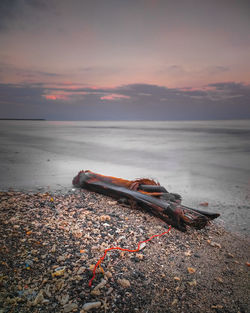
[
  {"x": 91, "y": 305},
  {"x": 70, "y": 307},
  {"x": 142, "y": 245}
]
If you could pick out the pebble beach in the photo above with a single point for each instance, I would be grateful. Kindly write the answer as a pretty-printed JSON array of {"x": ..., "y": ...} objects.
[{"x": 51, "y": 241}]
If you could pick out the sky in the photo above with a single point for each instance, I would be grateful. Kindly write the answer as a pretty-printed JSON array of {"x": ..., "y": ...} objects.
[{"x": 125, "y": 59}]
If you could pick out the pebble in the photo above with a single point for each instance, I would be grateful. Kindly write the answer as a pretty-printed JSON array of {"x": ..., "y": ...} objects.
[
  {"x": 104, "y": 218},
  {"x": 205, "y": 203},
  {"x": 142, "y": 245},
  {"x": 64, "y": 299},
  {"x": 61, "y": 258},
  {"x": 59, "y": 271},
  {"x": 109, "y": 291},
  {"x": 81, "y": 270},
  {"x": 91, "y": 305},
  {"x": 124, "y": 283},
  {"x": 108, "y": 274},
  {"x": 70, "y": 307},
  {"x": 187, "y": 253},
  {"x": 139, "y": 256},
  {"x": 53, "y": 249},
  {"x": 39, "y": 298},
  {"x": 77, "y": 254},
  {"x": 192, "y": 283},
  {"x": 230, "y": 255},
  {"x": 214, "y": 244},
  {"x": 217, "y": 306},
  {"x": 219, "y": 279},
  {"x": 191, "y": 270},
  {"x": 101, "y": 284},
  {"x": 96, "y": 292}
]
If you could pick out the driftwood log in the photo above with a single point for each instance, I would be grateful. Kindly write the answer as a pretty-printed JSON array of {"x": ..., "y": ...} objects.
[{"x": 147, "y": 194}]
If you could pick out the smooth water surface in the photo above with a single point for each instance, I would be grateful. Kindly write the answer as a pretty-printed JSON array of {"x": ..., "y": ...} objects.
[{"x": 203, "y": 161}]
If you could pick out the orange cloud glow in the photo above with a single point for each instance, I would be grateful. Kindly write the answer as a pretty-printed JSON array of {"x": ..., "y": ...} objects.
[{"x": 55, "y": 97}]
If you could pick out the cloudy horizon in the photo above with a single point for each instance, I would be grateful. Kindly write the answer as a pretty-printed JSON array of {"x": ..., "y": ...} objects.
[{"x": 125, "y": 60}]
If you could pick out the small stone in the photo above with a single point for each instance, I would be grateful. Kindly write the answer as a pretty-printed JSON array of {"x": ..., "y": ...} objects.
[
  {"x": 47, "y": 290},
  {"x": 95, "y": 248},
  {"x": 219, "y": 279},
  {"x": 142, "y": 245},
  {"x": 109, "y": 291},
  {"x": 61, "y": 258},
  {"x": 187, "y": 253},
  {"x": 112, "y": 202},
  {"x": 205, "y": 203},
  {"x": 139, "y": 256},
  {"x": 191, "y": 270},
  {"x": 64, "y": 299},
  {"x": 70, "y": 307},
  {"x": 95, "y": 292},
  {"x": 59, "y": 271},
  {"x": 104, "y": 218},
  {"x": 214, "y": 244},
  {"x": 101, "y": 284},
  {"x": 108, "y": 274},
  {"x": 174, "y": 302},
  {"x": 91, "y": 305},
  {"x": 177, "y": 278},
  {"x": 217, "y": 306},
  {"x": 81, "y": 270},
  {"x": 39, "y": 298},
  {"x": 124, "y": 283},
  {"x": 192, "y": 283}
]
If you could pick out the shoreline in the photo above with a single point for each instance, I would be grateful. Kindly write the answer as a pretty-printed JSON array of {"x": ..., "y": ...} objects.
[
  {"x": 196, "y": 271},
  {"x": 60, "y": 189}
]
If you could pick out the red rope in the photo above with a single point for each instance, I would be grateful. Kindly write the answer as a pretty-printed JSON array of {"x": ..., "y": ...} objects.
[{"x": 118, "y": 248}]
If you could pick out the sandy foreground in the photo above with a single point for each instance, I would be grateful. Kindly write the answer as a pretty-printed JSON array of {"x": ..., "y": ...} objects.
[{"x": 50, "y": 243}]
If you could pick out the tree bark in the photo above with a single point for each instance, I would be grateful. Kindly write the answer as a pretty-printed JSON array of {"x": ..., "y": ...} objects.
[{"x": 147, "y": 194}]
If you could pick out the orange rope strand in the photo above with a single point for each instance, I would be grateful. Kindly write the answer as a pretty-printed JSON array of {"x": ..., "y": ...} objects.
[{"x": 122, "y": 249}]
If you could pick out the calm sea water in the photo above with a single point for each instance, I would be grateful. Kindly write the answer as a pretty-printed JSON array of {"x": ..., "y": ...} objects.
[{"x": 203, "y": 161}]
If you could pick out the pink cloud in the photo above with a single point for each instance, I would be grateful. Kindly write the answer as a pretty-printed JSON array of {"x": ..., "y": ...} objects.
[
  {"x": 64, "y": 94},
  {"x": 55, "y": 97},
  {"x": 114, "y": 96}
]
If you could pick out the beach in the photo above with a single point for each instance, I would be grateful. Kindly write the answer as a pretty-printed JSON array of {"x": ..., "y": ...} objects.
[
  {"x": 51, "y": 242},
  {"x": 124, "y": 156},
  {"x": 52, "y": 234}
]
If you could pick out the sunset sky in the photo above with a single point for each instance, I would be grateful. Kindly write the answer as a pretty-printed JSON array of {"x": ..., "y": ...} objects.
[{"x": 125, "y": 59}]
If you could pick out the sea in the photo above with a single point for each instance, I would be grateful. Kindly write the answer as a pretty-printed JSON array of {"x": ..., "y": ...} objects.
[{"x": 204, "y": 161}]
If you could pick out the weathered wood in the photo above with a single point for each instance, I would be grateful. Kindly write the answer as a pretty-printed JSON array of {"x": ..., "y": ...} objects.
[{"x": 148, "y": 195}]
